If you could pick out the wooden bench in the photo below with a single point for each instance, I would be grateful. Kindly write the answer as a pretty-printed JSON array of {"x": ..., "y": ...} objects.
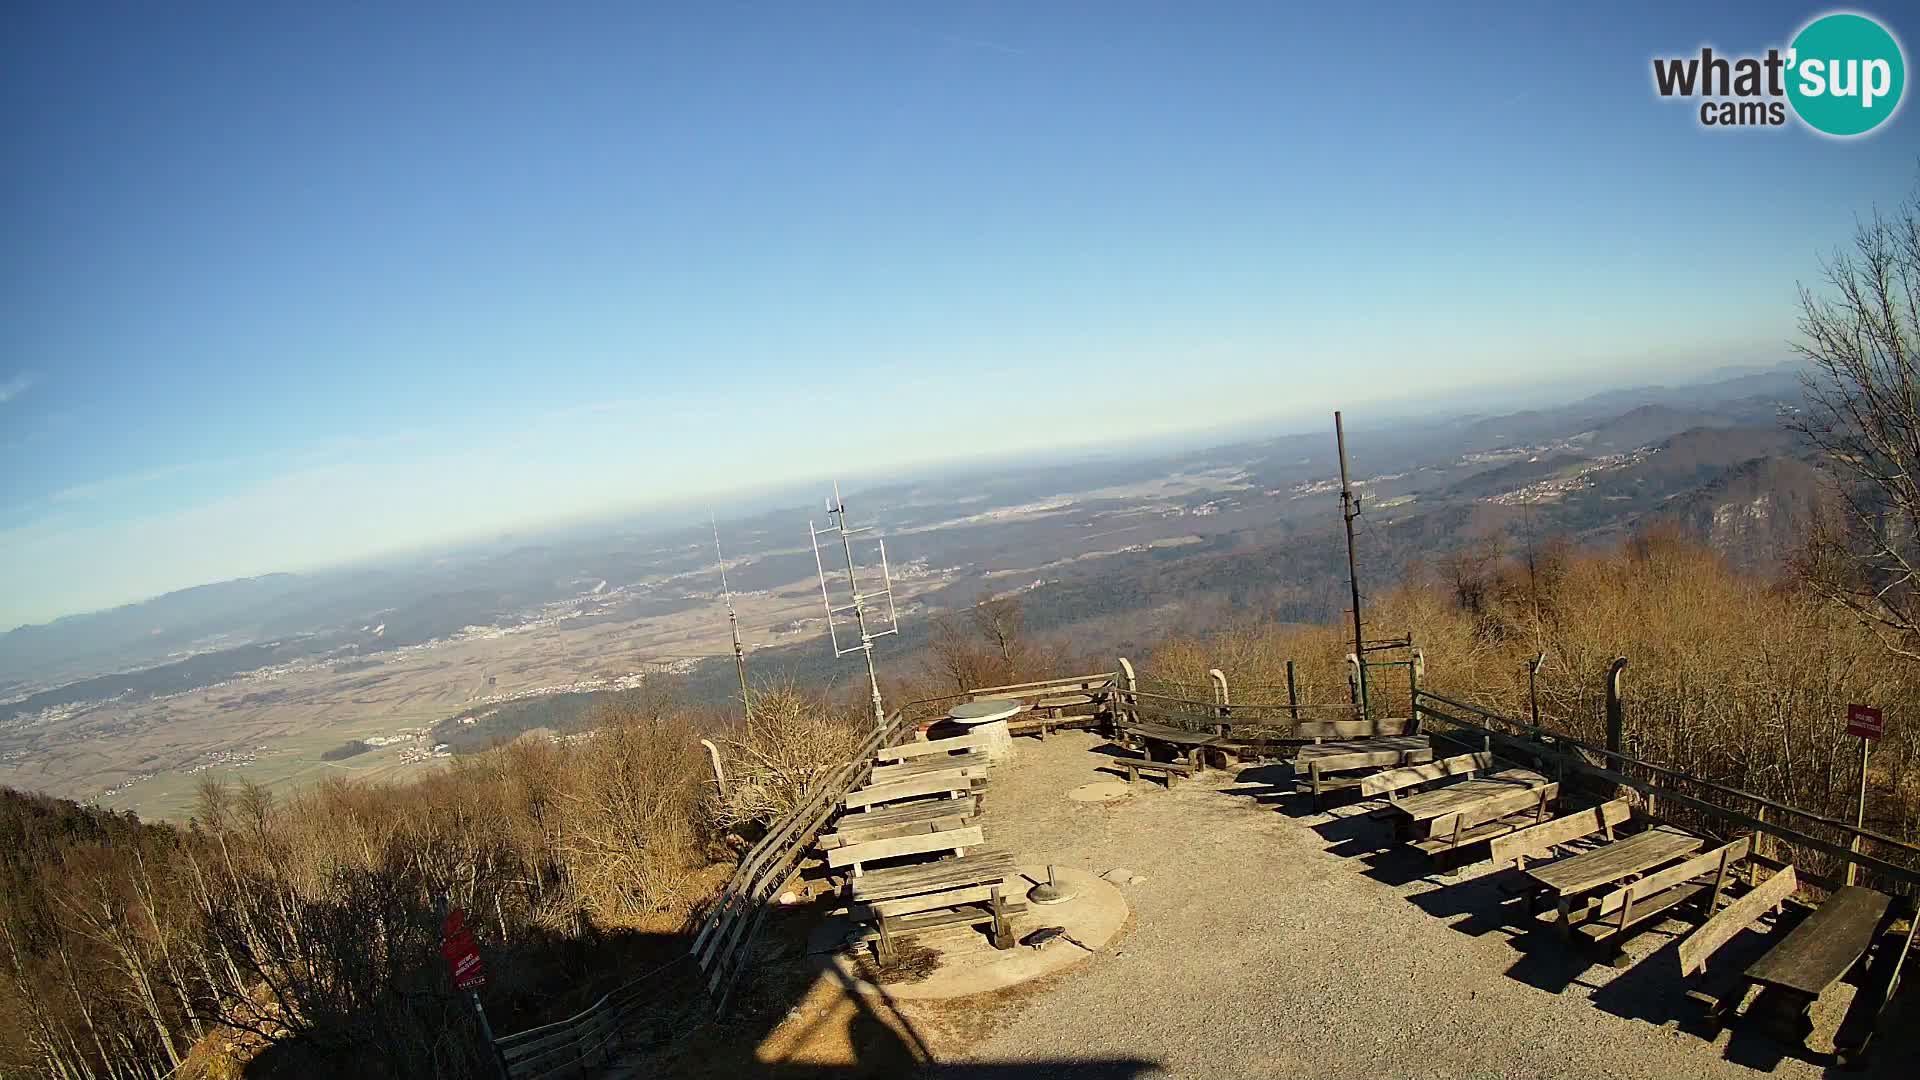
[
  {"x": 910, "y": 750},
  {"x": 1322, "y": 762},
  {"x": 886, "y": 933},
  {"x": 901, "y": 819},
  {"x": 1568, "y": 881},
  {"x": 952, "y": 783},
  {"x": 1166, "y": 769},
  {"x": 1813, "y": 956},
  {"x": 1612, "y": 916},
  {"x": 1431, "y": 812},
  {"x": 1884, "y": 968},
  {"x": 1718, "y": 992},
  {"x": 1349, "y": 729},
  {"x": 1044, "y": 726},
  {"x": 1490, "y": 817},
  {"x": 884, "y": 895},
  {"x": 856, "y": 855},
  {"x": 1539, "y": 841},
  {"x": 973, "y": 763},
  {"x": 1394, "y": 781}
]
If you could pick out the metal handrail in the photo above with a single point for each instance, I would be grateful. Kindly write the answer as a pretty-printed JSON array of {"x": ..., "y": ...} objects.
[{"x": 1615, "y": 755}]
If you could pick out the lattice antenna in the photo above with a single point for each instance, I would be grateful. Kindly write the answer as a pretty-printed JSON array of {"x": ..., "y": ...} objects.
[
  {"x": 739, "y": 652},
  {"x": 859, "y": 602}
]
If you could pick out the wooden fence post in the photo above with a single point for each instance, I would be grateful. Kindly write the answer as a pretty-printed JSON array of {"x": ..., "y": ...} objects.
[
  {"x": 719, "y": 772},
  {"x": 1416, "y": 670},
  {"x": 1353, "y": 679},
  {"x": 1293, "y": 696},
  {"x": 1616, "y": 712}
]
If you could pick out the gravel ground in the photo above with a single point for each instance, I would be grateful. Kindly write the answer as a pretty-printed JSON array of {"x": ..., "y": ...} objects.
[{"x": 1267, "y": 945}]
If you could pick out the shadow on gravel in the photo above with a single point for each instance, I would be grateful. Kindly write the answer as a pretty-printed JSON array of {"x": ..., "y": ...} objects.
[
  {"x": 1395, "y": 866},
  {"x": 1267, "y": 785},
  {"x": 1547, "y": 962},
  {"x": 1489, "y": 902},
  {"x": 1652, "y": 990}
]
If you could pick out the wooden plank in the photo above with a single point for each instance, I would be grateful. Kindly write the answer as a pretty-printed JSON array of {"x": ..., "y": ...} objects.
[
  {"x": 908, "y": 750},
  {"x": 1168, "y": 734},
  {"x": 1345, "y": 729},
  {"x": 1700, "y": 945},
  {"x": 961, "y": 914},
  {"x": 1498, "y": 827},
  {"x": 1652, "y": 884},
  {"x": 1365, "y": 759},
  {"x": 1396, "y": 779},
  {"x": 1433, "y": 804},
  {"x": 942, "y": 899},
  {"x": 1876, "y": 992},
  {"x": 914, "y": 844},
  {"x": 973, "y": 763},
  {"x": 1600, "y": 929},
  {"x": 975, "y": 869},
  {"x": 1402, "y": 744},
  {"x": 1606, "y": 865},
  {"x": 1542, "y": 839},
  {"x": 941, "y": 784},
  {"x": 1084, "y": 684},
  {"x": 1823, "y": 947},
  {"x": 954, "y": 820},
  {"x": 1498, "y": 805},
  {"x": 883, "y": 816}
]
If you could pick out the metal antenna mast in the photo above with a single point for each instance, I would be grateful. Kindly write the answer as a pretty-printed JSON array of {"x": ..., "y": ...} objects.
[
  {"x": 837, "y": 516},
  {"x": 1350, "y": 509},
  {"x": 739, "y": 653}
]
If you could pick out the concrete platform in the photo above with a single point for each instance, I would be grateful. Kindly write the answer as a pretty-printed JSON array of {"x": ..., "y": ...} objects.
[
  {"x": 969, "y": 964},
  {"x": 1100, "y": 791}
]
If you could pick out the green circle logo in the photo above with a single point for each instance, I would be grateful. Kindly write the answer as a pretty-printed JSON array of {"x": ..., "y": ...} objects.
[{"x": 1845, "y": 74}]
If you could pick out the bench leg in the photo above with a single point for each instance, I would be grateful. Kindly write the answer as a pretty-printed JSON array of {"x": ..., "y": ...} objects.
[
  {"x": 883, "y": 951},
  {"x": 1002, "y": 931},
  {"x": 1133, "y": 773}
]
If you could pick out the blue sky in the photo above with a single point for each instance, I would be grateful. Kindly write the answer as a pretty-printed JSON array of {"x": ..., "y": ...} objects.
[{"x": 288, "y": 285}]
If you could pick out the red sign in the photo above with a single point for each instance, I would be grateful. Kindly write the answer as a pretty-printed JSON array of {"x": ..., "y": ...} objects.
[
  {"x": 1865, "y": 722},
  {"x": 462, "y": 952}
]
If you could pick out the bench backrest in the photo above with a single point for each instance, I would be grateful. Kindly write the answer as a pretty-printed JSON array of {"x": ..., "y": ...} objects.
[
  {"x": 1719, "y": 859},
  {"x": 906, "y": 751},
  {"x": 1396, "y": 779},
  {"x": 1540, "y": 840},
  {"x": 1700, "y": 945}
]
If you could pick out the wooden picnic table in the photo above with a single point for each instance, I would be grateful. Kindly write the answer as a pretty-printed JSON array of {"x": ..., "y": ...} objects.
[
  {"x": 1613, "y": 862},
  {"x": 1814, "y": 956},
  {"x": 1391, "y": 750},
  {"x": 1416, "y": 814}
]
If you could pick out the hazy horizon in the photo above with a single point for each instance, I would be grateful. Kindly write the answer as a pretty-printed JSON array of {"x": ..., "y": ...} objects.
[{"x": 293, "y": 289}]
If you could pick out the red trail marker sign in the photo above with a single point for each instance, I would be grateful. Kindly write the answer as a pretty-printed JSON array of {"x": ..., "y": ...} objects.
[
  {"x": 462, "y": 952},
  {"x": 1865, "y": 722}
]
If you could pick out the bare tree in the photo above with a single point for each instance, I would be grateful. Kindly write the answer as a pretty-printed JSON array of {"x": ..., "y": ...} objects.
[{"x": 1861, "y": 339}]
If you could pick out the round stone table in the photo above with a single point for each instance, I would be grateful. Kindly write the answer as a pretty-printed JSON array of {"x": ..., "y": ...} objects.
[{"x": 989, "y": 718}]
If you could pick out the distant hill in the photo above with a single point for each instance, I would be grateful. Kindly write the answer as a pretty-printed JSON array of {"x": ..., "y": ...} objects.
[{"x": 1757, "y": 513}]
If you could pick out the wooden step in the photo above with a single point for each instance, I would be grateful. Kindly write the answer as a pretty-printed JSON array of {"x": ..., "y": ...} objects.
[
  {"x": 916, "y": 844},
  {"x": 946, "y": 783},
  {"x": 979, "y": 868},
  {"x": 936, "y": 815}
]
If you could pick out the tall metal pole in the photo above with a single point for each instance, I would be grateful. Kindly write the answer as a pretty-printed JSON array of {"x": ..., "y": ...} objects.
[
  {"x": 1350, "y": 509},
  {"x": 739, "y": 652},
  {"x": 859, "y": 608}
]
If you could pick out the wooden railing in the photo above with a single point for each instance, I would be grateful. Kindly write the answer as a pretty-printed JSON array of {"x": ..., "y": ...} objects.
[
  {"x": 586, "y": 1039},
  {"x": 724, "y": 943},
  {"x": 1886, "y": 861}
]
